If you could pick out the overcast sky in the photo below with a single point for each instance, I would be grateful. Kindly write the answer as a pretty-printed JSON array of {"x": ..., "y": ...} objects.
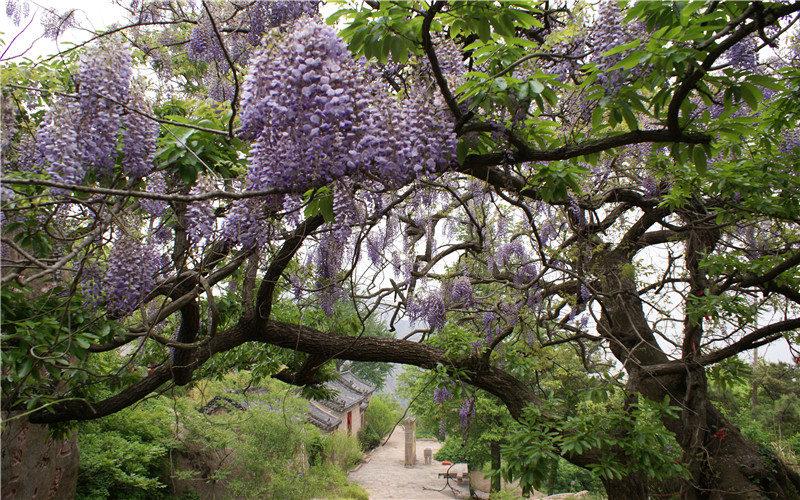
[{"x": 26, "y": 39}]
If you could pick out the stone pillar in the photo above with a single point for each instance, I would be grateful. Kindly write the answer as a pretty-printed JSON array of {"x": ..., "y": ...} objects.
[
  {"x": 410, "y": 426},
  {"x": 35, "y": 466}
]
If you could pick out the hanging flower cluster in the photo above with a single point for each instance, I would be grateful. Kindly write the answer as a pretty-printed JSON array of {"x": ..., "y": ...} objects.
[{"x": 314, "y": 118}]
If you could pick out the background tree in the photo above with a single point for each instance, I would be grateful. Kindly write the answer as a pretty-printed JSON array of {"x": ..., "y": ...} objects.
[{"x": 623, "y": 178}]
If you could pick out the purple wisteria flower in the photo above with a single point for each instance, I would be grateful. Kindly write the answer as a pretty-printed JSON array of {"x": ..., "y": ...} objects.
[
  {"x": 441, "y": 394},
  {"x": 315, "y": 118},
  {"x": 139, "y": 137},
  {"x": 467, "y": 412},
  {"x": 430, "y": 308},
  {"x": 487, "y": 320},
  {"x": 461, "y": 292},
  {"x": 130, "y": 274}
]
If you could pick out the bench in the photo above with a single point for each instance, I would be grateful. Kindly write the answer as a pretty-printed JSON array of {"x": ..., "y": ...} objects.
[{"x": 459, "y": 477}]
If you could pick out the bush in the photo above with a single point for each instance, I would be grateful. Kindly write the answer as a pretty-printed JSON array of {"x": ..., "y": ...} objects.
[
  {"x": 352, "y": 491},
  {"x": 369, "y": 438},
  {"x": 382, "y": 414},
  {"x": 342, "y": 450},
  {"x": 123, "y": 455}
]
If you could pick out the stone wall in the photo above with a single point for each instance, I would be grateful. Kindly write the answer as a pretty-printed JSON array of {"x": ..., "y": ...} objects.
[{"x": 34, "y": 465}]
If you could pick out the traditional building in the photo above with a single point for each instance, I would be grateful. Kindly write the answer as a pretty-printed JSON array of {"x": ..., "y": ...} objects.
[{"x": 346, "y": 408}]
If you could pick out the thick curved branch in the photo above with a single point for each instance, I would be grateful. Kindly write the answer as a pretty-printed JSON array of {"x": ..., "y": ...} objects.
[
  {"x": 280, "y": 261},
  {"x": 480, "y": 166},
  {"x": 689, "y": 82},
  {"x": 511, "y": 391},
  {"x": 430, "y": 52},
  {"x": 749, "y": 341}
]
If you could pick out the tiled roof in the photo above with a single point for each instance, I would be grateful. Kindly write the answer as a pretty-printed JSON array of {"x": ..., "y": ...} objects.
[
  {"x": 343, "y": 397},
  {"x": 320, "y": 417},
  {"x": 218, "y": 402},
  {"x": 347, "y": 392},
  {"x": 356, "y": 383}
]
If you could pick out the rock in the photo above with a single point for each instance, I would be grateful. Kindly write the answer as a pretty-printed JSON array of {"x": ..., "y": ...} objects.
[{"x": 34, "y": 465}]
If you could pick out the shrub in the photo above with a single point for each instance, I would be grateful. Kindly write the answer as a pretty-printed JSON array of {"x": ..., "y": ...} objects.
[
  {"x": 342, "y": 449},
  {"x": 382, "y": 414},
  {"x": 123, "y": 455}
]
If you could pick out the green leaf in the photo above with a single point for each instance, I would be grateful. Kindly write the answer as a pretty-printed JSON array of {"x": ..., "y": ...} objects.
[
  {"x": 751, "y": 94},
  {"x": 700, "y": 160},
  {"x": 622, "y": 48},
  {"x": 629, "y": 117},
  {"x": 484, "y": 30},
  {"x": 536, "y": 86},
  {"x": 399, "y": 51},
  {"x": 462, "y": 150}
]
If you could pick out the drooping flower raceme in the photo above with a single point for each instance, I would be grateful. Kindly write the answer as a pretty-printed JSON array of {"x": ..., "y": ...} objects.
[
  {"x": 429, "y": 308},
  {"x": 466, "y": 412},
  {"x": 461, "y": 292},
  {"x": 314, "y": 118},
  {"x": 105, "y": 78},
  {"x": 131, "y": 271},
  {"x": 139, "y": 137},
  {"x": 441, "y": 394},
  {"x": 57, "y": 144},
  {"x": 83, "y": 134},
  {"x": 610, "y": 31}
]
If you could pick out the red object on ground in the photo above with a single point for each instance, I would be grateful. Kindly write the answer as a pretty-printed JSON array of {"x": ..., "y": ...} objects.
[{"x": 446, "y": 463}]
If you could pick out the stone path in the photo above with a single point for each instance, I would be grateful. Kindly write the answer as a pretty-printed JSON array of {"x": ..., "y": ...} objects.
[{"x": 384, "y": 476}]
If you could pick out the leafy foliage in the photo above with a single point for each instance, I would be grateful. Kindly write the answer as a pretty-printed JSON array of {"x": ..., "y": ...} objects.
[{"x": 608, "y": 187}]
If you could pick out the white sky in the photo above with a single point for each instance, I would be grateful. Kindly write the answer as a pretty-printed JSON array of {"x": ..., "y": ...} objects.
[{"x": 26, "y": 39}]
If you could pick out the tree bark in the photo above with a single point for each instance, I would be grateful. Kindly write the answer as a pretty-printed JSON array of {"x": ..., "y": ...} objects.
[
  {"x": 495, "y": 449},
  {"x": 722, "y": 463},
  {"x": 631, "y": 487}
]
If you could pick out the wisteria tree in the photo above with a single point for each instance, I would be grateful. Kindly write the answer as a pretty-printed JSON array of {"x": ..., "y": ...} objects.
[{"x": 185, "y": 193}]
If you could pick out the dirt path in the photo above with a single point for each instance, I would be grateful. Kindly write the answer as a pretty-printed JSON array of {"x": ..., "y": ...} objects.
[{"x": 385, "y": 477}]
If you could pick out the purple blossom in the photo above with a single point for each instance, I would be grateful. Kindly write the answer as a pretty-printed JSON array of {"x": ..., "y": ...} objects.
[
  {"x": 487, "y": 319},
  {"x": 577, "y": 212},
  {"x": 535, "y": 301},
  {"x": 525, "y": 274},
  {"x": 430, "y": 308},
  {"x": 282, "y": 12},
  {"x": 467, "y": 412},
  {"x": 139, "y": 137},
  {"x": 585, "y": 293},
  {"x": 56, "y": 24},
  {"x": 57, "y": 143},
  {"x": 609, "y": 32},
  {"x": 791, "y": 142},
  {"x": 315, "y": 118},
  {"x": 649, "y": 186},
  {"x": 743, "y": 54},
  {"x": 130, "y": 273},
  {"x": 17, "y": 10},
  {"x": 508, "y": 250},
  {"x": 441, "y": 394},
  {"x": 105, "y": 76},
  {"x": 156, "y": 185},
  {"x": 203, "y": 43},
  {"x": 461, "y": 292},
  {"x": 200, "y": 217},
  {"x": 245, "y": 223}
]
